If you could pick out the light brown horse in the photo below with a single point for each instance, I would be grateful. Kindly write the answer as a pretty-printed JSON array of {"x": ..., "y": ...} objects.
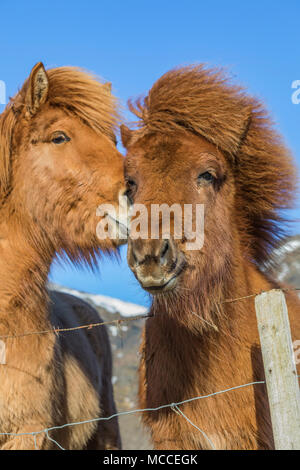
[
  {"x": 203, "y": 140},
  {"x": 58, "y": 163}
]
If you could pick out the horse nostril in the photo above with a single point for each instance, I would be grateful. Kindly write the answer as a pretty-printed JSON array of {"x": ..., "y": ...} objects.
[{"x": 164, "y": 251}]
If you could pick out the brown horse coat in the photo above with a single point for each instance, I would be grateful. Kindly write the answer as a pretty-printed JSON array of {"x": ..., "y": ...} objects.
[
  {"x": 202, "y": 140},
  {"x": 58, "y": 162}
]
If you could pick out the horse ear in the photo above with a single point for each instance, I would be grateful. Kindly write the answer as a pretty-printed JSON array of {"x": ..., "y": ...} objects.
[
  {"x": 108, "y": 86},
  {"x": 38, "y": 88},
  {"x": 126, "y": 135}
]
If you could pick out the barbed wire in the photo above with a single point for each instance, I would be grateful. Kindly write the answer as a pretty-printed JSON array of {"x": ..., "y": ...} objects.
[
  {"x": 180, "y": 413},
  {"x": 284, "y": 289},
  {"x": 122, "y": 320},
  {"x": 81, "y": 327},
  {"x": 172, "y": 406}
]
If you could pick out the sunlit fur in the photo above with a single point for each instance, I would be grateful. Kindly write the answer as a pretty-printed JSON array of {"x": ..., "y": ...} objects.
[
  {"x": 193, "y": 120},
  {"x": 49, "y": 197}
]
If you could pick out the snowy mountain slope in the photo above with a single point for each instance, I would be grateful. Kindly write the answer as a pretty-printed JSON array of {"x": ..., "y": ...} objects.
[
  {"x": 112, "y": 305},
  {"x": 286, "y": 265},
  {"x": 125, "y": 341}
]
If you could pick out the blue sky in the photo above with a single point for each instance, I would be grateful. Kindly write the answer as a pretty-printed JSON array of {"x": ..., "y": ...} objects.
[{"x": 131, "y": 43}]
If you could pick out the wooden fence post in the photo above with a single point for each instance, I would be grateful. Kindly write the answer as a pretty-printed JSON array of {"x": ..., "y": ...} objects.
[{"x": 280, "y": 369}]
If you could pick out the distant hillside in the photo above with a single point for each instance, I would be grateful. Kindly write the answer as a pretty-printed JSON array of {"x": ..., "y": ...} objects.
[
  {"x": 125, "y": 342},
  {"x": 286, "y": 266}
]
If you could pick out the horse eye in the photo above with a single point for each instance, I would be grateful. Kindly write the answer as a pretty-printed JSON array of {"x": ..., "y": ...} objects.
[
  {"x": 60, "y": 138},
  {"x": 131, "y": 189},
  {"x": 206, "y": 177}
]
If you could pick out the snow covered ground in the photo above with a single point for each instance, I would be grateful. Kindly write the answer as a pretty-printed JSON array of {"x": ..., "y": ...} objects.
[{"x": 112, "y": 305}]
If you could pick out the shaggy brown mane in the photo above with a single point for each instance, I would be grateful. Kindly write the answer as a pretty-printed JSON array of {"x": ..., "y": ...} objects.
[
  {"x": 73, "y": 90},
  {"x": 205, "y": 102}
]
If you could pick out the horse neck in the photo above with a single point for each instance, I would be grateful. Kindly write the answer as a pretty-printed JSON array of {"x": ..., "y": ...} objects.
[
  {"x": 192, "y": 357},
  {"x": 24, "y": 267},
  {"x": 204, "y": 314}
]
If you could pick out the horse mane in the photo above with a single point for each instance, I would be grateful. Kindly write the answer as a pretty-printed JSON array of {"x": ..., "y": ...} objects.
[
  {"x": 73, "y": 90},
  {"x": 205, "y": 102}
]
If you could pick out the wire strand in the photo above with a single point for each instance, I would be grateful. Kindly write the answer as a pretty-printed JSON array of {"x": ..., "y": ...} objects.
[
  {"x": 123, "y": 413},
  {"x": 121, "y": 320},
  {"x": 179, "y": 412}
]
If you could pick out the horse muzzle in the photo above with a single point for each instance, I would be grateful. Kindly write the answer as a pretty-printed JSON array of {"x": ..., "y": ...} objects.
[{"x": 157, "y": 264}]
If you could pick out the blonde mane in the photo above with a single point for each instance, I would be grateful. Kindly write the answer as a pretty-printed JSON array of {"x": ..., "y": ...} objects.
[
  {"x": 49, "y": 193},
  {"x": 72, "y": 90}
]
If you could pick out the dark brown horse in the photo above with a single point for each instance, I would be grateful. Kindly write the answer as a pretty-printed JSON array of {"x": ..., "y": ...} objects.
[
  {"x": 58, "y": 162},
  {"x": 204, "y": 141}
]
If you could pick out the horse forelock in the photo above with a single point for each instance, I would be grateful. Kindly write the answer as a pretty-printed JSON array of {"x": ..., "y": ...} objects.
[
  {"x": 85, "y": 96},
  {"x": 204, "y": 101},
  {"x": 71, "y": 89}
]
